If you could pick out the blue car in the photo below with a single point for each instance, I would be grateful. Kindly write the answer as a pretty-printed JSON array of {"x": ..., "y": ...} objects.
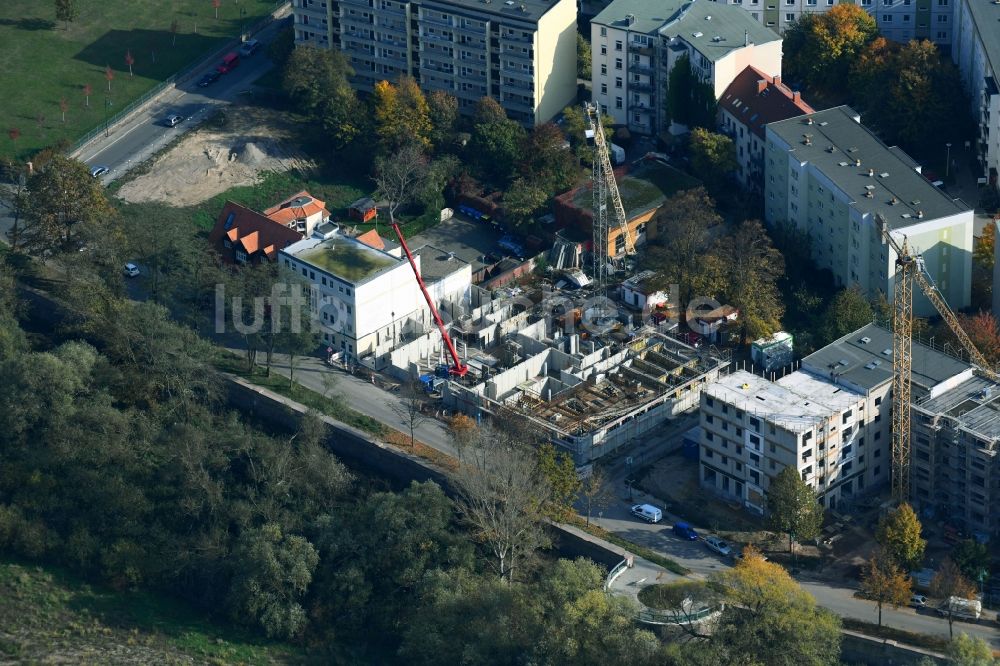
[{"x": 685, "y": 531}]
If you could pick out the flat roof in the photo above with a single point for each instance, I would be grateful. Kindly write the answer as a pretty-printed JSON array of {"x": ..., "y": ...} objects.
[
  {"x": 868, "y": 365},
  {"x": 437, "y": 264},
  {"x": 893, "y": 176},
  {"x": 798, "y": 402},
  {"x": 985, "y": 15},
  {"x": 343, "y": 258},
  {"x": 533, "y": 9},
  {"x": 974, "y": 405}
]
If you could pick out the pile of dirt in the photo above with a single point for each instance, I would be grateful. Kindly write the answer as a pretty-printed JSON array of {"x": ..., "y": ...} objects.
[{"x": 211, "y": 160}]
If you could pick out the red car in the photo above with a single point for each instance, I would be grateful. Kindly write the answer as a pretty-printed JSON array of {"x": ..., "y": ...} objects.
[{"x": 229, "y": 63}]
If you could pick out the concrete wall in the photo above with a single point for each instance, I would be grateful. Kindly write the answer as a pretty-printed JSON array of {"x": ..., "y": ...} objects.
[
  {"x": 555, "y": 61},
  {"x": 765, "y": 57}
]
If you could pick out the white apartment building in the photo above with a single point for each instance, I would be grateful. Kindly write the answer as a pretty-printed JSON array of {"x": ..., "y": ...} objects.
[
  {"x": 523, "y": 53},
  {"x": 751, "y": 101},
  {"x": 829, "y": 176},
  {"x": 898, "y": 20},
  {"x": 636, "y": 43},
  {"x": 976, "y": 51},
  {"x": 367, "y": 300}
]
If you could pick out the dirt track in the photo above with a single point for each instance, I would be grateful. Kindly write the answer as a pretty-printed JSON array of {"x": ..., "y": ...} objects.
[{"x": 210, "y": 160}]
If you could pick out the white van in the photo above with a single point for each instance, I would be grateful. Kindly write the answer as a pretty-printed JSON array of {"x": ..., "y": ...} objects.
[{"x": 647, "y": 512}]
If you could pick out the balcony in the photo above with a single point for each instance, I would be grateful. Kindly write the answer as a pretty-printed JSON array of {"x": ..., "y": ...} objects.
[
  {"x": 642, "y": 87},
  {"x": 436, "y": 69},
  {"x": 434, "y": 20},
  {"x": 505, "y": 37},
  {"x": 518, "y": 87},
  {"x": 471, "y": 30},
  {"x": 357, "y": 3},
  {"x": 438, "y": 38},
  {"x": 518, "y": 54},
  {"x": 313, "y": 11},
  {"x": 517, "y": 105},
  {"x": 519, "y": 74},
  {"x": 640, "y": 49}
]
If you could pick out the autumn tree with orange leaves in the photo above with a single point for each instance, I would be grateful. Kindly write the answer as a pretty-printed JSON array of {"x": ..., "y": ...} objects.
[{"x": 820, "y": 48}]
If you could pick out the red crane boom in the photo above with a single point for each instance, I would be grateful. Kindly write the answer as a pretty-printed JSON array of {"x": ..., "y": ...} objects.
[{"x": 457, "y": 368}]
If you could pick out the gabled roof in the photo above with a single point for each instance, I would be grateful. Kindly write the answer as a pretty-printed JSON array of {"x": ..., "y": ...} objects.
[
  {"x": 296, "y": 207},
  {"x": 756, "y": 99},
  {"x": 372, "y": 239},
  {"x": 253, "y": 231}
]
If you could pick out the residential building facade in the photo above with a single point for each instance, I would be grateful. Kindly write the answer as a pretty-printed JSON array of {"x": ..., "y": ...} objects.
[
  {"x": 751, "y": 101},
  {"x": 830, "y": 177},
  {"x": 523, "y": 54},
  {"x": 898, "y": 20},
  {"x": 244, "y": 236},
  {"x": 976, "y": 52},
  {"x": 636, "y": 43}
]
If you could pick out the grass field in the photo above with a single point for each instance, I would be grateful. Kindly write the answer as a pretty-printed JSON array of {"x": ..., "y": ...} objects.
[
  {"x": 47, "y": 616},
  {"x": 44, "y": 61}
]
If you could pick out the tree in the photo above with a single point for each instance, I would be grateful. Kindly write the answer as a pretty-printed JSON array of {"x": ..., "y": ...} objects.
[
  {"x": 771, "y": 620},
  {"x": 545, "y": 160},
  {"x": 965, "y": 650},
  {"x": 129, "y": 60},
  {"x": 109, "y": 74},
  {"x": 559, "y": 471},
  {"x": 595, "y": 490},
  {"x": 443, "y": 111},
  {"x": 690, "y": 101},
  {"x": 898, "y": 533},
  {"x": 65, "y": 201},
  {"x": 982, "y": 329},
  {"x": 67, "y": 10},
  {"x": 972, "y": 558},
  {"x": 792, "y": 506},
  {"x": 584, "y": 58},
  {"x": 319, "y": 81},
  {"x": 495, "y": 145},
  {"x": 949, "y": 582},
  {"x": 983, "y": 253},
  {"x": 215, "y": 5},
  {"x": 87, "y": 92},
  {"x": 522, "y": 200},
  {"x": 402, "y": 115},
  {"x": 410, "y": 408},
  {"x": 502, "y": 492},
  {"x": 847, "y": 312},
  {"x": 753, "y": 267},
  {"x": 399, "y": 177},
  {"x": 713, "y": 156},
  {"x": 63, "y": 107},
  {"x": 462, "y": 429},
  {"x": 488, "y": 112},
  {"x": 272, "y": 572},
  {"x": 820, "y": 48},
  {"x": 884, "y": 582}
]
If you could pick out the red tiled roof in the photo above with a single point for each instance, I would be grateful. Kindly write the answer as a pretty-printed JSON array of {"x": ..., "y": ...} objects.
[
  {"x": 298, "y": 206},
  {"x": 372, "y": 239},
  {"x": 756, "y": 99},
  {"x": 251, "y": 230}
]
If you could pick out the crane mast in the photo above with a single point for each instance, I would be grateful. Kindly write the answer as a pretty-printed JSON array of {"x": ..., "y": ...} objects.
[
  {"x": 910, "y": 268},
  {"x": 605, "y": 186}
]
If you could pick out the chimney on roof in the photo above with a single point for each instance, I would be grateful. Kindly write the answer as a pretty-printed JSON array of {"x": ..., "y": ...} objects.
[
  {"x": 796, "y": 96},
  {"x": 871, "y": 173},
  {"x": 920, "y": 214},
  {"x": 761, "y": 85},
  {"x": 777, "y": 80}
]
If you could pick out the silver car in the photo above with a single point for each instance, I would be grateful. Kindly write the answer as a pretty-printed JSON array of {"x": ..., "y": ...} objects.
[
  {"x": 173, "y": 121},
  {"x": 718, "y": 545}
]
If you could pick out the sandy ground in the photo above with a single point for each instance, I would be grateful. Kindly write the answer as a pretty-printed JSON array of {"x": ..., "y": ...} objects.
[{"x": 210, "y": 160}]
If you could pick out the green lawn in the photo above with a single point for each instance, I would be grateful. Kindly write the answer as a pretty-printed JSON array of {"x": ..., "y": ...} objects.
[
  {"x": 44, "y": 62},
  {"x": 46, "y": 614}
]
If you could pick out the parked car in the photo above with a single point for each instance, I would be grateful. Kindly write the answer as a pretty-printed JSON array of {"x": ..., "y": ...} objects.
[
  {"x": 229, "y": 62},
  {"x": 647, "y": 512},
  {"x": 99, "y": 171},
  {"x": 173, "y": 120},
  {"x": 718, "y": 545},
  {"x": 918, "y": 601},
  {"x": 962, "y": 609},
  {"x": 249, "y": 47},
  {"x": 685, "y": 531},
  {"x": 131, "y": 270},
  {"x": 209, "y": 79}
]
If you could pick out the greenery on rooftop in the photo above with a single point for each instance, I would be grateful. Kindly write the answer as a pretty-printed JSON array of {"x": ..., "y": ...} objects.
[
  {"x": 644, "y": 188},
  {"x": 347, "y": 259}
]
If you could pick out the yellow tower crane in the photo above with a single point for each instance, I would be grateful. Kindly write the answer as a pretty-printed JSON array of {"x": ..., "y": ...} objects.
[{"x": 910, "y": 268}]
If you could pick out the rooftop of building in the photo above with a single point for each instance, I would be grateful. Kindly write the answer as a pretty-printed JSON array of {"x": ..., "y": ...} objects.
[
  {"x": 834, "y": 141},
  {"x": 437, "y": 264},
  {"x": 715, "y": 30},
  {"x": 986, "y": 14},
  {"x": 756, "y": 99},
  {"x": 255, "y": 232},
  {"x": 974, "y": 405},
  {"x": 642, "y": 188},
  {"x": 798, "y": 401},
  {"x": 864, "y": 359},
  {"x": 519, "y": 10},
  {"x": 343, "y": 257},
  {"x": 297, "y": 207}
]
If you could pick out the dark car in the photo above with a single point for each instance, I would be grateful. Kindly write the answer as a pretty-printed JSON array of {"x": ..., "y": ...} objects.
[
  {"x": 209, "y": 79},
  {"x": 685, "y": 531}
]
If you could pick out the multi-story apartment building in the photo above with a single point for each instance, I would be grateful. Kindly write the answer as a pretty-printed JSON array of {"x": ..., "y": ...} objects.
[
  {"x": 751, "y": 101},
  {"x": 636, "y": 43},
  {"x": 898, "y": 20},
  {"x": 522, "y": 53},
  {"x": 832, "y": 420},
  {"x": 976, "y": 51},
  {"x": 829, "y": 176}
]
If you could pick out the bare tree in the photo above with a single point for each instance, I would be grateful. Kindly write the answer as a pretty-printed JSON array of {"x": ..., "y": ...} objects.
[
  {"x": 949, "y": 582},
  {"x": 87, "y": 91},
  {"x": 399, "y": 176},
  {"x": 109, "y": 74},
  {"x": 596, "y": 491},
  {"x": 129, "y": 60},
  {"x": 173, "y": 32},
  {"x": 215, "y": 5},
  {"x": 410, "y": 407},
  {"x": 502, "y": 493}
]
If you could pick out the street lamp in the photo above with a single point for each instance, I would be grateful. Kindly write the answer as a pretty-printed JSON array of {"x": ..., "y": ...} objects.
[
  {"x": 107, "y": 128},
  {"x": 243, "y": 12},
  {"x": 947, "y": 162}
]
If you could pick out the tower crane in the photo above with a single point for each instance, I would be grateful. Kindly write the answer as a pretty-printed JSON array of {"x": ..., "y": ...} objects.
[
  {"x": 910, "y": 268},
  {"x": 605, "y": 186},
  {"x": 457, "y": 368}
]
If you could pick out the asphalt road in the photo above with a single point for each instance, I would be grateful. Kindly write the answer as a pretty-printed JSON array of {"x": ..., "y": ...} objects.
[{"x": 131, "y": 143}]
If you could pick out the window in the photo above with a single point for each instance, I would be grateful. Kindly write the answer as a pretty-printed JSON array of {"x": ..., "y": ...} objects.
[
  {"x": 604, "y": 49},
  {"x": 789, "y": 17},
  {"x": 604, "y": 32},
  {"x": 774, "y": 449},
  {"x": 942, "y": 35},
  {"x": 886, "y": 18},
  {"x": 228, "y": 243},
  {"x": 708, "y": 418},
  {"x": 604, "y": 70},
  {"x": 710, "y": 402},
  {"x": 878, "y": 453},
  {"x": 618, "y": 102},
  {"x": 878, "y": 401},
  {"x": 878, "y": 435},
  {"x": 618, "y": 83},
  {"x": 618, "y": 45},
  {"x": 709, "y": 436},
  {"x": 755, "y": 424},
  {"x": 604, "y": 88},
  {"x": 618, "y": 63},
  {"x": 241, "y": 257},
  {"x": 942, "y": 18},
  {"x": 942, "y": 3},
  {"x": 708, "y": 452}
]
